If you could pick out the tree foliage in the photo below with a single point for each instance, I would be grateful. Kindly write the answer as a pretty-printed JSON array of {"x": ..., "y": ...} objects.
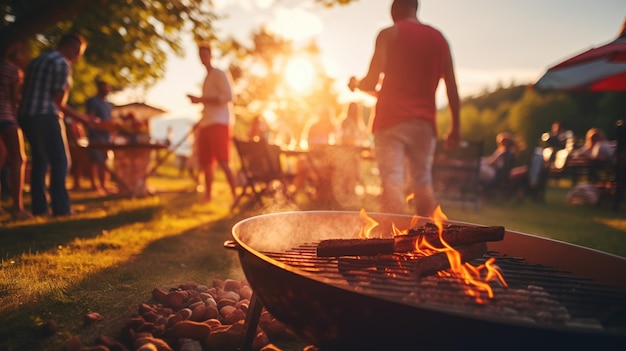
[
  {"x": 259, "y": 71},
  {"x": 527, "y": 114},
  {"x": 127, "y": 39}
]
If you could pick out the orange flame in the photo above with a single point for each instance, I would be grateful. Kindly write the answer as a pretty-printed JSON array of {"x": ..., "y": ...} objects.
[
  {"x": 409, "y": 198},
  {"x": 397, "y": 231},
  {"x": 476, "y": 278},
  {"x": 368, "y": 225}
]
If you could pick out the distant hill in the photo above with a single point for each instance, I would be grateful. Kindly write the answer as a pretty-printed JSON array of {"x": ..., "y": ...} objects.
[{"x": 492, "y": 99}]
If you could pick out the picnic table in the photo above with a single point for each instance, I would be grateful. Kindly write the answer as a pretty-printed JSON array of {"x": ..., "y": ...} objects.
[
  {"x": 583, "y": 169},
  {"x": 130, "y": 164}
]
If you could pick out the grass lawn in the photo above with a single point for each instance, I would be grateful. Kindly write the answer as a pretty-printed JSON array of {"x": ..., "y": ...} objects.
[
  {"x": 599, "y": 228},
  {"x": 114, "y": 251}
]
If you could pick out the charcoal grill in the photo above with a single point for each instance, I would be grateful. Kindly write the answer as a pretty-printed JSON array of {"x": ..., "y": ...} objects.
[{"x": 559, "y": 294}]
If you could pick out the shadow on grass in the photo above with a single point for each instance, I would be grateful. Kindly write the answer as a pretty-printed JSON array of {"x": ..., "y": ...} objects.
[
  {"x": 44, "y": 236},
  {"x": 553, "y": 218},
  {"x": 196, "y": 255}
]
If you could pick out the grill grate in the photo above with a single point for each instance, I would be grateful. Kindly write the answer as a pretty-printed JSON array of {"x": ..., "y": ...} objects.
[{"x": 537, "y": 294}]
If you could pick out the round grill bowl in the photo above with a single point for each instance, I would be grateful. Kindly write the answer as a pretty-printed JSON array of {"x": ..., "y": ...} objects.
[{"x": 340, "y": 316}]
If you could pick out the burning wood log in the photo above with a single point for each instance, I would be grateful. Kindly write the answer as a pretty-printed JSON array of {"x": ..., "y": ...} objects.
[
  {"x": 355, "y": 247},
  {"x": 429, "y": 265},
  {"x": 365, "y": 265},
  {"x": 454, "y": 235},
  {"x": 419, "y": 266}
]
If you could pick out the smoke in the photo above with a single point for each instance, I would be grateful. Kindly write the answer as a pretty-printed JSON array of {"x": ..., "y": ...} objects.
[{"x": 278, "y": 232}]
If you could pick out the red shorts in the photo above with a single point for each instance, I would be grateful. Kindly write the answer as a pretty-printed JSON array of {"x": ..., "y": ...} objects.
[{"x": 213, "y": 143}]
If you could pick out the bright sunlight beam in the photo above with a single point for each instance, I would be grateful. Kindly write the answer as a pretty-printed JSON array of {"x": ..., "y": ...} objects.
[{"x": 299, "y": 74}]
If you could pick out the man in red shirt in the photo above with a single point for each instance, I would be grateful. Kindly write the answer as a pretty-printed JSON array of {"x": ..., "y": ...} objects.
[
  {"x": 409, "y": 60},
  {"x": 214, "y": 133}
]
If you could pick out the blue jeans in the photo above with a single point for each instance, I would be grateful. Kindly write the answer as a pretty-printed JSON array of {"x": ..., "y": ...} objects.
[
  {"x": 48, "y": 143},
  {"x": 404, "y": 154}
]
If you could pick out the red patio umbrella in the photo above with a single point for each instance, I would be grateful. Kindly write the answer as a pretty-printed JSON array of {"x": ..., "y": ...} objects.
[{"x": 599, "y": 69}]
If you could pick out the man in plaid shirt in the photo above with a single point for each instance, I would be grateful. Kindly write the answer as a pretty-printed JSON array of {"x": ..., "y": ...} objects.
[{"x": 46, "y": 88}]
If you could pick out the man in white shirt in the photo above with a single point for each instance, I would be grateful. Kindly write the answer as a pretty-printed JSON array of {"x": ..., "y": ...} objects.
[{"x": 214, "y": 130}]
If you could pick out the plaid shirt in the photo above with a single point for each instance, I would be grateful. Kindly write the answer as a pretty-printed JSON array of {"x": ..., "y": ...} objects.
[{"x": 45, "y": 76}]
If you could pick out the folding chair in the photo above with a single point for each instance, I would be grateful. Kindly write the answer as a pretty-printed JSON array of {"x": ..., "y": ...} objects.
[
  {"x": 456, "y": 173},
  {"x": 262, "y": 170}
]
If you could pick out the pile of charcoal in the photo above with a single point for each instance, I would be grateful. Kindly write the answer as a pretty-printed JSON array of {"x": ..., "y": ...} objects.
[{"x": 192, "y": 317}]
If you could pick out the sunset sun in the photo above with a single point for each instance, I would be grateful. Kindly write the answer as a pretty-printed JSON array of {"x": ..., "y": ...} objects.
[{"x": 299, "y": 74}]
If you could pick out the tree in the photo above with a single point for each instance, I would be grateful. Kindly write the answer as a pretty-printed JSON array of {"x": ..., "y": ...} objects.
[
  {"x": 534, "y": 114},
  {"x": 264, "y": 88},
  {"x": 611, "y": 108},
  {"x": 128, "y": 39}
]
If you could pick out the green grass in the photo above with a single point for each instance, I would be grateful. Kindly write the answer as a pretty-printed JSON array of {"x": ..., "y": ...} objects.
[
  {"x": 107, "y": 259},
  {"x": 599, "y": 228},
  {"x": 110, "y": 256}
]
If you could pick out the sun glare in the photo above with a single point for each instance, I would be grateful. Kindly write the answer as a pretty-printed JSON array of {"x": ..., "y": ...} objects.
[{"x": 299, "y": 74}]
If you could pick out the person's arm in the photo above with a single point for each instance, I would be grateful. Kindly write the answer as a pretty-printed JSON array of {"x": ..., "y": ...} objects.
[
  {"x": 99, "y": 123},
  {"x": 454, "y": 135},
  {"x": 494, "y": 158},
  {"x": 60, "y": 98},
  {"x": 209, "y": 100},
  {"x": 72, "y": 113},
  {"x": 369, "y": 83}
]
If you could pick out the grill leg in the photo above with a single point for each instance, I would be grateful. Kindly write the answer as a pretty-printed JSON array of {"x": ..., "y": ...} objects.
[{"x": 252, "y": 321}]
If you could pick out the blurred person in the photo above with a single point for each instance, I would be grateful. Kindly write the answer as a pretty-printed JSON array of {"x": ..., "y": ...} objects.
[
  {"x": 559, "y": 137},
  {"x": 317, "y": 166},
  {"x": 11, "y": 138},
  {"x": 558, "y": 143},
  {"x": 47, "y": 83},
  {"x": 412, "y": 57},
  {"x": 494, "y": 166},
  {"x": 323, "y": 129},
  {"x": 81, "y": 165},
  {"x": 595, "y": 154},
  {"x": 353, "y": 130},
  {"x": 353, "y": 138},
  {"x": 214, "y": 132},
  {"x": 596, "y": 147},
  {"x": 98, "y": 106},
  {"x": 259, "y": 130}
]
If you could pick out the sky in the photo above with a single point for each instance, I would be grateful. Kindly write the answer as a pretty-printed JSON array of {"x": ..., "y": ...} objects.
[{"x": 493, "y": 41}]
